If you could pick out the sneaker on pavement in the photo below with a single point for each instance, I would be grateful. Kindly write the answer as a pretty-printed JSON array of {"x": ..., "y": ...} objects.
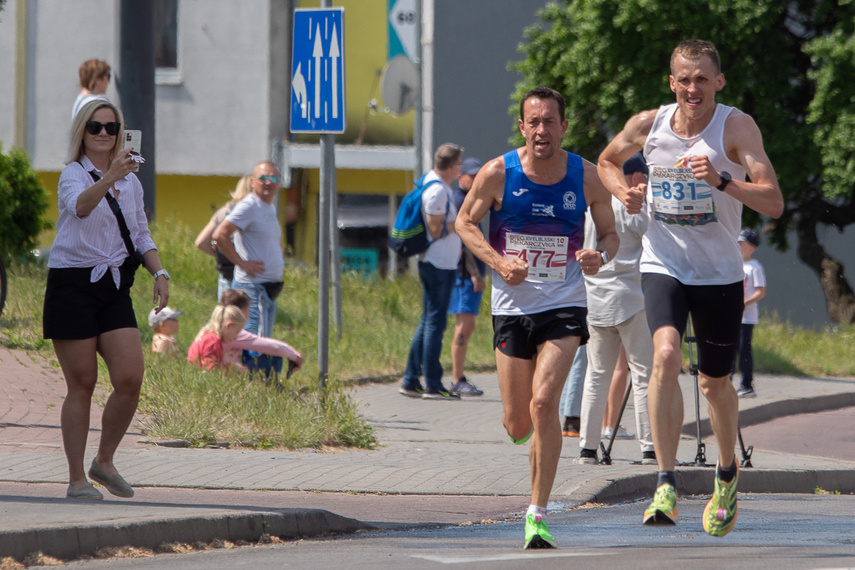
[
  {"x": 440, "y": 395},
  {"x": 720, "y": 512},
  {"x": 537, "y": 533},
  {"x": 570, "y": 427},
  {"x": 621, "y": 433},
  {"x": 587, "y": 457},
  {"x": 663, "y": 509},
  {"x": 648, "y": 458},
  {"x": 463, "y": 388},
  {"x": 411, "y": 392},
  {"x": 746, "y": 393}
]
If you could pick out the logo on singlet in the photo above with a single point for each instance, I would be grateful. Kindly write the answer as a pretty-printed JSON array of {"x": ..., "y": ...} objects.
[
  {"x": 543, "y": 210},
  {"x": 570, "y": 200},
  {"x": 520, "y": 192}
]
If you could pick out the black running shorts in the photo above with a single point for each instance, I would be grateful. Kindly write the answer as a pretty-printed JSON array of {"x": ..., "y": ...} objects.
[{"x": 519, "y": 336}]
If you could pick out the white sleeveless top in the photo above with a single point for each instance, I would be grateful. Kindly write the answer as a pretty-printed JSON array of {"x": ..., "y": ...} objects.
[{"x": 693, "y": 227}]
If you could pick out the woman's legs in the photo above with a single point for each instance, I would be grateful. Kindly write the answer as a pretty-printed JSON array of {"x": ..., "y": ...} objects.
[
  {"x": 121, "y": 350},
  {"x": 80, "y": 368}
]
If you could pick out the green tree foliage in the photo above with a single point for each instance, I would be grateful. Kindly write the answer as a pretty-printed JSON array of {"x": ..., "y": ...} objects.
[
  {"x": 23, "y": 202},
  {"x": 788, "y": 64}
]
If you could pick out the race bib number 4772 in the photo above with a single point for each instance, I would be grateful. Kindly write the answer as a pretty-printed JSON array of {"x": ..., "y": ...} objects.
[{"x": 546, "y": 255}]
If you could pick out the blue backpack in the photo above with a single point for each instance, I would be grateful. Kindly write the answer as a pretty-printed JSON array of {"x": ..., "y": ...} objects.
[{"x": 409, "y": 234}]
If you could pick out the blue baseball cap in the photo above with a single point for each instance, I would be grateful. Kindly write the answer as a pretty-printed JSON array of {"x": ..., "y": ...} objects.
[{"x": 635, "y": 163}]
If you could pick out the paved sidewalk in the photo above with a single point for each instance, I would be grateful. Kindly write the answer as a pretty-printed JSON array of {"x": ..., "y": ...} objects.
[{"x": 438, "y": 463}]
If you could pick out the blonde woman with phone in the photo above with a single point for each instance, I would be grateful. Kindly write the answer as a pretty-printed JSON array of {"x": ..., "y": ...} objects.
[{"x": 87, "y": 308}]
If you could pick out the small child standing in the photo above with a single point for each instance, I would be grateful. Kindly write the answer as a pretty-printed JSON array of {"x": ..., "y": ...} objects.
[
  {"x": 207, "y": 349},
  {"x": 165, "y": 326},
  {"x": 755, "y": 289}
]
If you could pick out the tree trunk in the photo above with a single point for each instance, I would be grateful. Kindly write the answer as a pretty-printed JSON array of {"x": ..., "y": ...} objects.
[{"x": 839, "y": 298}]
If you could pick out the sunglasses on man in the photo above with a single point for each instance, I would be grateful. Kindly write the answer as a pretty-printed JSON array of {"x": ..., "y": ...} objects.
[
  {"x": 264, "y": 179},
  {"x": 94, "y": 127}
]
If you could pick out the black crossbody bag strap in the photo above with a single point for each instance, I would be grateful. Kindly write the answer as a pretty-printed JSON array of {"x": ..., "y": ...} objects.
[{"x": 120, "y": 218}]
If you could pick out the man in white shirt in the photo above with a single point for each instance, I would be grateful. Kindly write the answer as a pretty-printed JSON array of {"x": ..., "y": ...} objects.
[{"x": 437, "y": 269}]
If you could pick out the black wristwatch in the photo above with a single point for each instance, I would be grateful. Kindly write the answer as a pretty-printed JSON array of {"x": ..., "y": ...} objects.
[{"x": 725, "y": 180}]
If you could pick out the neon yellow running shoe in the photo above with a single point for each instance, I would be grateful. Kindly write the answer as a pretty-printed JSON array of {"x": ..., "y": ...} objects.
[
  {"x": 537, "y": 533},
  {"x": 663, "y": 509},
  {"x": 720, "y": 512}
]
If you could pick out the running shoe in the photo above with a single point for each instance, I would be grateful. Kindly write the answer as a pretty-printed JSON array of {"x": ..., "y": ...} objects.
[
  {"x": 663, "y": 509},
  {"x": 537, "y": 533},
  {"x": 746, "y": 393},
  {"x": 463, "y": 388},
  {"x": 720, "y": 512},
  {"x": 411, "y": 392},
  {"x": 440, "y": 395}
]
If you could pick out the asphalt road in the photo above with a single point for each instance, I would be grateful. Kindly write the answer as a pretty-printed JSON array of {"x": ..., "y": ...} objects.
[{"x": 767, "y": 536}]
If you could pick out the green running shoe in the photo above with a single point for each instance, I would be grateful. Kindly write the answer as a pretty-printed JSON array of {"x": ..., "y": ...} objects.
[
  {"x": 720, "y": 512},
  {"x": 663, "y": 509},
  {"x": 537, "y": 533}
]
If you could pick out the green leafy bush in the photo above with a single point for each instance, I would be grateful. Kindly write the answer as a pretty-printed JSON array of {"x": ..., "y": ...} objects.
[{"x": 23, "y": 202}]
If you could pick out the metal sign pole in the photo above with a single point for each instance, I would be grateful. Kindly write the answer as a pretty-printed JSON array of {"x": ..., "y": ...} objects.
[
  {"x": 318, "y": 106},
  {"x": 327, "y": 149}
]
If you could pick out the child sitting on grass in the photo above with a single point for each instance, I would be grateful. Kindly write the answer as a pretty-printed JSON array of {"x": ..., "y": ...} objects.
[
  {"x": 165, "y": 327},
  {"x": 256, "y": 353},
  {"x": 207, "y": 350}
]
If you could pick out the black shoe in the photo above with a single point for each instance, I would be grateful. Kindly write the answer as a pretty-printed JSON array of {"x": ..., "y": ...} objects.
[
  {"x": 648, "y": 458},
  {"x": 414, "y": 392},
  {"x": 440, "y": 395}
]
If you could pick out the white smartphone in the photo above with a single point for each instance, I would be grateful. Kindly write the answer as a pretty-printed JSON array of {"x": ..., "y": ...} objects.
[{"x": 133, "y": 140}]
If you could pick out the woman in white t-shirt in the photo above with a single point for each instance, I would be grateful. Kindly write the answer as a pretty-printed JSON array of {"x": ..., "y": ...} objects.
[{"x": 94, "y": 77}]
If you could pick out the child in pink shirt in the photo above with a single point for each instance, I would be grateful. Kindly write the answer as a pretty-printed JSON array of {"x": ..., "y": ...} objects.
[{"x": 207, "y": 350}]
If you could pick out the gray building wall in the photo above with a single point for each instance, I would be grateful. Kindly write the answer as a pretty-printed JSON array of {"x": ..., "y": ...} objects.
[
  {"x": 473, "y": 42},
  {"x": 216, "y": 115}
]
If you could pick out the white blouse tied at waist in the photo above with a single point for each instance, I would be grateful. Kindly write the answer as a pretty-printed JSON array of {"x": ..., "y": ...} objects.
[{"x": 95, "y": 240}]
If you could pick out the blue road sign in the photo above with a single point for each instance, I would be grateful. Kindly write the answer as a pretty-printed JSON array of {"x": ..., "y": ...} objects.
[{"x": 317, "y": 71}]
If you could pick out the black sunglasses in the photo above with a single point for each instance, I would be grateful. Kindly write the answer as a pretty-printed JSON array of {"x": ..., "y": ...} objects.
[{"x": 94, "y": 127}]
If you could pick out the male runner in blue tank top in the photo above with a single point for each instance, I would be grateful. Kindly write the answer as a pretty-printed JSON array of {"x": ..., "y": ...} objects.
[
  {"x": 698, "y": 153},
  {"x": 537, "y": 196}
]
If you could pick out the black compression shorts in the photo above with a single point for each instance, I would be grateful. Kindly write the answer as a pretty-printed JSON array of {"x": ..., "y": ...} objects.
[{"x": 716, "y": 312}]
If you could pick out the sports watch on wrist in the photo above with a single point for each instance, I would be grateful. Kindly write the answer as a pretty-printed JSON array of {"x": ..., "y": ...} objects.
[
  {"x": 725, "y": 180},
  {"x": 604, "y": 256},
  {"x": 163, "y": 272}
]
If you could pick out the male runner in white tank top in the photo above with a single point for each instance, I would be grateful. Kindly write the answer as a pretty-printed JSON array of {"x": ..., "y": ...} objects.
[{"x": 698, "y": 153}]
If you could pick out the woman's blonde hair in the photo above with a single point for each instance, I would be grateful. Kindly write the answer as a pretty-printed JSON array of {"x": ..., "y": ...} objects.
[
  {"x": 78, "y": 125},
  {"x": 222, "y": 314},
  {"x": 244, "y": 187}
]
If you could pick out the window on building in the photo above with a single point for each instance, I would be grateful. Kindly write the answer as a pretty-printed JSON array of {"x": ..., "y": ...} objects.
[{"x": 166, "y": 41}]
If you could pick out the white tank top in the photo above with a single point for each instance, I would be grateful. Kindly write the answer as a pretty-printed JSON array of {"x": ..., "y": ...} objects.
[{"x": 693, "y": 227}]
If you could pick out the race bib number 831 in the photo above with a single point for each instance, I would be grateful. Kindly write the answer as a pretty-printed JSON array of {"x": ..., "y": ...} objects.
[{"x": 679, "y": 197}]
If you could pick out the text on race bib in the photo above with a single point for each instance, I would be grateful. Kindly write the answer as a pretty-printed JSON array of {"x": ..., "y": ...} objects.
[
  {"x": 546, "y": 255},
  {"x": 679, "y": 197}
]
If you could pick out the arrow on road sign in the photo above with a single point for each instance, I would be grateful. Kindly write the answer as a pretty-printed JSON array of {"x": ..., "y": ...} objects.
[{"x": 334, "y": 55}]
